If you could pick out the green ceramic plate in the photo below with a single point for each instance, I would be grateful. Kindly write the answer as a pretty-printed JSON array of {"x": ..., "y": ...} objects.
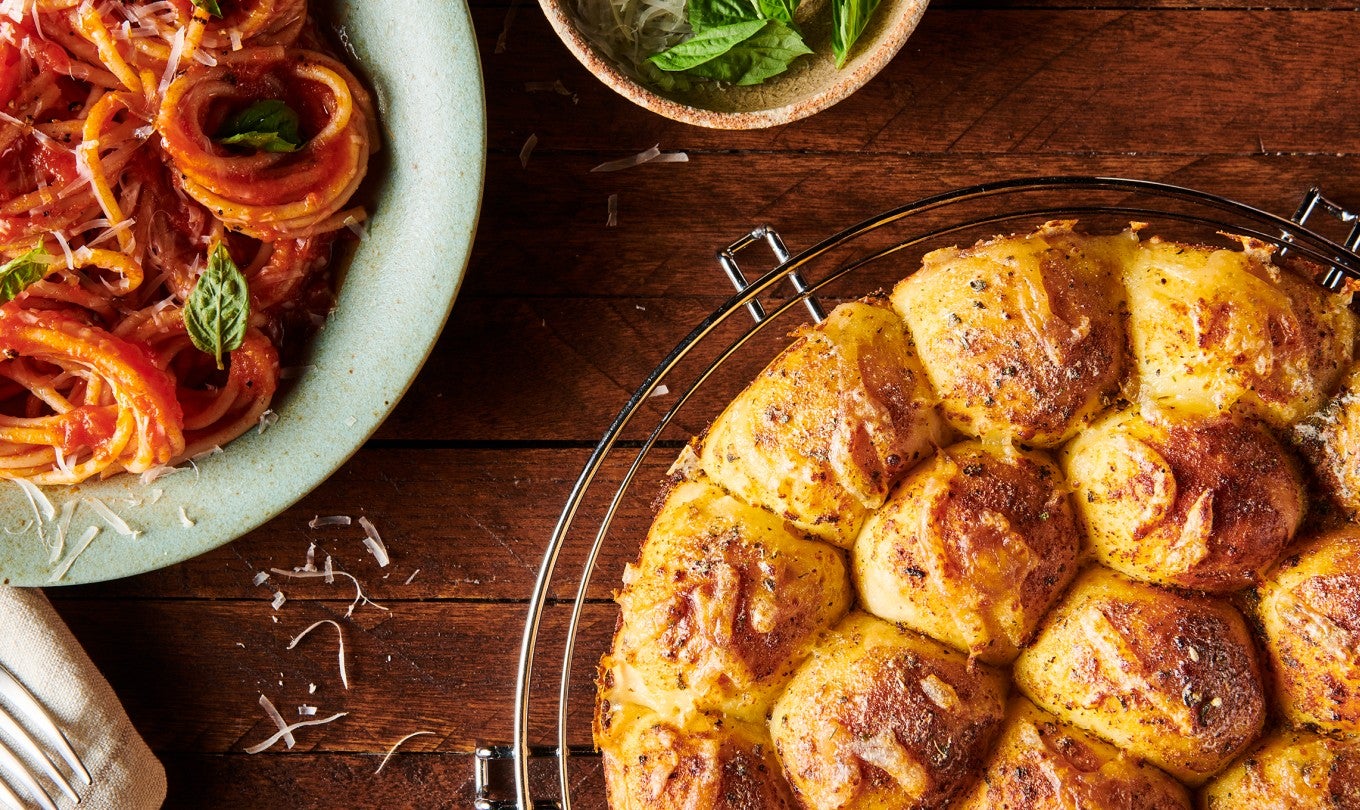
[{"x": 395, "y": 297}]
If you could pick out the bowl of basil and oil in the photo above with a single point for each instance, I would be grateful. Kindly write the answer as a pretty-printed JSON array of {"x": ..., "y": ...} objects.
[{"x": 734, "y": 64}]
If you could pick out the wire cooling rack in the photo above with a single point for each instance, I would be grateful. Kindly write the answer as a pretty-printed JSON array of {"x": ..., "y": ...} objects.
[{"x": 570, "y": 614}]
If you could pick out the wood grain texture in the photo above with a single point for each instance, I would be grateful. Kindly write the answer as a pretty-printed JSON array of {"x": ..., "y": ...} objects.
[
  {"x": 562, "y": 318},
  {"x": 1028, "y": 81},
  {"x": 466, "y": 524},
  {"x": 321, "y": 781},
  {"x": 192, "y": 674}
]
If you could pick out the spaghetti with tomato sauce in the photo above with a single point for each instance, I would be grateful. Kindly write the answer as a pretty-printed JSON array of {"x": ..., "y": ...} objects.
[{"x": 173, "y": 177}]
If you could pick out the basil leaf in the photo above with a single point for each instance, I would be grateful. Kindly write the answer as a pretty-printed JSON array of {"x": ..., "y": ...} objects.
[
  {"x": 766, "y": 53},
  {"x": 706, "y": 14},
  {"x": 218, "y": 310},
  {"x": 848, "y": 18},
  {"x": 269, "y": 126},
  {"x": 209, "y": 6},
  {"x": 781, "y": 10},
  {"x": 706, "y": 45},
  {"x": 18, "y": 273}
]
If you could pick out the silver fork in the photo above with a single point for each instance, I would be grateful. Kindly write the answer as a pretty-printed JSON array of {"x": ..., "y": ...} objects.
[{"x": 17, "y": 739}]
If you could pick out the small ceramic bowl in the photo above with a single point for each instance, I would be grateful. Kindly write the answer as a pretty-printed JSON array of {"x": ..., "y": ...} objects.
[{"x": 811, "y": 84}]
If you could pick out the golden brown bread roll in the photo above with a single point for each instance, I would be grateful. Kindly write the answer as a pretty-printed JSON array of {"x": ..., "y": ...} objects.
[
  {"x": 1021, "y": 336},
  {"x": 1310, "y": 612},
  {"x": 1039, "y": 763},
  {"x": 720, "y": 609},
  {"x": 1206, "y": 502},
  {"x": 830, "y": 425},
  {"x": 971, "y": 549},
  {"x": 1330, "y": 439},
  {"x": 879, "y": 717},
  {"x": 651, "y": 763},
  {"x": 1212, "y": 328},
  {"x": 1169, "y": 678},
  {"x": 1289, "y": 770}
]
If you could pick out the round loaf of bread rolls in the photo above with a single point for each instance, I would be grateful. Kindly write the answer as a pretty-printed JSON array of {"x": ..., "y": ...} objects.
[
  {"x": 1212, "y": 328},
  {"x": 1310, "y": 612},
  {"x": 1290, "y": 770},
  {"x": 1021, "y": 336},
  {"x": 720, "y": 609},
  {"x": 971, "y": 549},
  {"x": 652, "y": 763},
  {"x": 1178, "y": 387},
  {"x": 879, "y": 717},
  {"x": 1169, "y": 678},
  {"x": 1204, "y": 502},
  {"x": 1039, "y": 763},
  {"x": 824, "y": 432}
]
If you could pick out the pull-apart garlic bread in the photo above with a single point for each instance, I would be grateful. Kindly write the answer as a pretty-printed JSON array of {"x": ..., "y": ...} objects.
[
  {"x": 1022, "y": 337},
  {"x": 882, "y": 718},
  {"x": 825, "y": 431},
  {"x": 1216, "y": 328},
  {"x": 1290, "y": 770},
  {"x": 698, "y": 763},
  {"x": 972, "y": 549},
  {"x": 1169, "y": 678},
  {"x": 1041, "y": 762},
  {"x": 1051, "y": 460},
  {"x": 1204, "y": 502},
  {"x": 1310, "y": 612},
  {"x": 720, "y": 609}
]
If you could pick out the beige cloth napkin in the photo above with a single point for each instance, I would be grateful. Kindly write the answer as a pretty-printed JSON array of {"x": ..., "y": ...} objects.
[{"x": 38, "y": 649}]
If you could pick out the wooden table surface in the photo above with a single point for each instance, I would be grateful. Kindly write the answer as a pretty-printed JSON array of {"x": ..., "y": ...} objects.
[{"x": 560, "y": 318}]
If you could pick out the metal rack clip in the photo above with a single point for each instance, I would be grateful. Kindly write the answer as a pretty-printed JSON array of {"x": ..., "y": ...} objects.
[
  {"x": 1335, "y": 278},
  {"x": 728, "y": 259},
  {"x": 481, "y": 778},
  {"x": 481, "y": 774}
]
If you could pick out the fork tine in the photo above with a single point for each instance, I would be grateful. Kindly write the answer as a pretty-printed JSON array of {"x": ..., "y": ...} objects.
[
  {"x": 17, "y": 770},
  {"x": 25, "y": 744},
  {"x": 15, "y": 692}
]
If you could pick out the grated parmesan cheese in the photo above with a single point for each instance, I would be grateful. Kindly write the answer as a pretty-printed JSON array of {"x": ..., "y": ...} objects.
[
  {"x": 630, "y": 161},
  {"x": 40, "y": 503},
  {"x": 112, "y": 518},
  {"x": 375, "y": 543},
  {"x": 527, "y": 150},
  {"x": 274, "y": 715},
  {"x": 319, "y": 521},
  {"x": 172, "y": 67},
  {"x": 344, "y": 677},
  {"x": 91, "y": 532},
  {"x": 184, "y": 519},
  {"x": 356, "y": 227},
  {"x": 330, "y": 575},
  {"x": 279, "y": 599},
  {"x": 653, "y": 155},
  {"x": 68, "y": 510},
  {"x": 397, "y": 745},
  {"x": 269, "y": 743},
  {"x": 267, "y": 420},
  {"x": 65, "y": 249}
]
